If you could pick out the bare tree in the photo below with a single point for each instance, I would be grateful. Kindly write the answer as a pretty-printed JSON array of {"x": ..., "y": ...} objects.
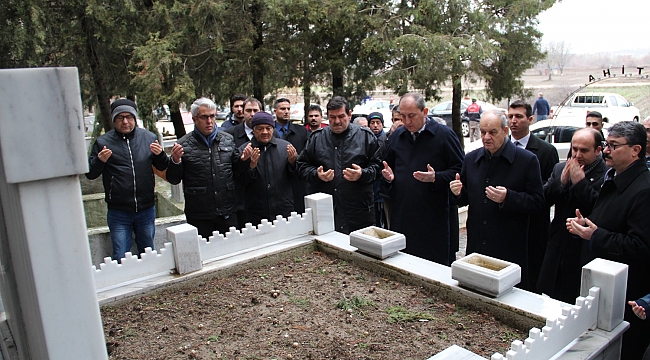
[{"x": 558, "y": 54}]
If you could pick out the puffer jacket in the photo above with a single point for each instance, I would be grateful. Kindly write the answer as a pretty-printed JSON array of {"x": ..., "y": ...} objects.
[
  {"x": 353, "y": 200},
  {"x": 208, "y": 175},
  {"x": 268, "y": 185},
  {"x": 127, "y": 175}
]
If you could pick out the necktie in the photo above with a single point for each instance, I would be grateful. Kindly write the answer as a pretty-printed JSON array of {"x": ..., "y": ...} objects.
[
  {"x": 517, "y": 143},
  {"x": 415, "y": 135}
]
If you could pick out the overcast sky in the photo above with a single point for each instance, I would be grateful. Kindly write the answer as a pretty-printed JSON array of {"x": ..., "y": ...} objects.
[{"x": 592, "y": 26}]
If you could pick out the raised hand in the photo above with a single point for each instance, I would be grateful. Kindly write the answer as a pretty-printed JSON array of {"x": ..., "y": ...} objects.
[
  {"x": 352, "y": 174},
  {"x": 455, "y": 185},
  {"x": 104, "y": 154},
  {"x": 387, "y": 172},
  {"x": 156, "y": 148},
  {"x": 325, "y": 176}
]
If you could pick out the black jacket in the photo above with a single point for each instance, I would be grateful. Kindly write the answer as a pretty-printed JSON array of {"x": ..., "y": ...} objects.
[
  {"x": 561, "y": 271},
  {"x": 501, "y": 230},
  {"x": 353, "y": 200},
  {"x": 207, "y": 174},
  {"x": 420, "y": 210},
  {"x": 268, "y": 185},
  {"x": 238, "y": 132},
  {"x": 127, "y": 175}
]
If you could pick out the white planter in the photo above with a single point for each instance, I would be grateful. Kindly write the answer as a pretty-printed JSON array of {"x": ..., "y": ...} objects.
[
  {"x": 486, "y": 274},
  {"x": 377, "y": 242}
]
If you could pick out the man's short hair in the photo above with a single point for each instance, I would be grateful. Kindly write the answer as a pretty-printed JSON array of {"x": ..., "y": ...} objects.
[
  {"x": 357, "y": 120},
  {"x": 338, "y": 102},
  {"x": 395, "y": 109},
  {"x": 522, "y": 104},
  {"x": 253, "y": 100},
  {"x": 314, "y": 107},
  {"x": 595, "y": 114},
  {"x": 237, "y": 97},
  {"x": 417, "y": 97},
  {"x": 280, "y": 100},
  {"x": 598, "y": 137},
  {"x": 194, "y": 109},
  {"x": 502, "y": 116},
  {"x": 633, "y": 133}
]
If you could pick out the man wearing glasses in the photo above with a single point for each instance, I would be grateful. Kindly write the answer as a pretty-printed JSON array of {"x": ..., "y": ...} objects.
[
  {"x": 595, "y": 121},
  {"x": 207, "y": 161},
  {"x": 618, "y": 228},
  {"x": 124, "y": 156}
]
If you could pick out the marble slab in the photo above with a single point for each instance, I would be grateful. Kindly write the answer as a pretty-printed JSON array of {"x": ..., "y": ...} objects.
[
  {"x": 486, "y": 274},
  {"x": 611, "y": 278},
  {"x": 456, "y": 352},
  {"x": 41, "y": 106},
  {"x": 322, "y": 207},
  {"x": 377, "y": 242},
  {"x": 187, "y": 253}
]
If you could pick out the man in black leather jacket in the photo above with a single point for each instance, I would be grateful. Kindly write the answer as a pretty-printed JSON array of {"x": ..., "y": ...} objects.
[
  {"x": 343, "y": 160},
  {"x": 124, "y": 156},
  {"x": 207, "y": 161}
]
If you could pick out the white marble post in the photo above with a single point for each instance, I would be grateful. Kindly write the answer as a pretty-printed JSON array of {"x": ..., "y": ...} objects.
[
  {"x": 47, "y": 286},
  {"x": 611, "y": 278},
  {"x": 187, "y": 254},
  {"x": 322, "y": 209}
]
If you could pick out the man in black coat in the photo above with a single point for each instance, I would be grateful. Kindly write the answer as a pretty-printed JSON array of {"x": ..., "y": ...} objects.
[
  {"x": 618, "y": 228},
  {"x": 423, "y": 157},
  {"x": 297, "y": 135},
  {"x": 520, "y": 116},
  {"x": 502, "y": 185},
  {"x": 573, "y": 185},
  {"x": 242, "y": 134},
  {"x": 343, "y": 160},
  {"x": 272, "y": 164}
]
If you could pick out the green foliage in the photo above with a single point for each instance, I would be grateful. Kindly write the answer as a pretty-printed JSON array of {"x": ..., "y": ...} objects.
[
  {"x": 356, "y": 304},
  {"x": 401, "y": 314}
]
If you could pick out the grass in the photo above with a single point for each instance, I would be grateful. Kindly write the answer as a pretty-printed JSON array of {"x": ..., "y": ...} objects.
[
  {"x": 356, "y": 304},
  {"x": 402, "y": 314}
]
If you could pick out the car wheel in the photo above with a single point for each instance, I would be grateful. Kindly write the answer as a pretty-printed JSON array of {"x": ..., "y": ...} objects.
[{"x": 464, "y": 128}]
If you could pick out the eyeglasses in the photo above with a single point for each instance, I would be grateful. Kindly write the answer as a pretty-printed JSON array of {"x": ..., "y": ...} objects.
[
  {"x": 595, "y": 123},
  {"x": 206, "y": 117},
  {"x": 611, "y": 145},
  {"x": 124, "y": 117}
]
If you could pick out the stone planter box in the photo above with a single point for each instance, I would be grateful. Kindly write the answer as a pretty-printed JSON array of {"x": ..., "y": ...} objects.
[
  {"x": 377, "y": 242},
  {"x": 485, "y": 274}
]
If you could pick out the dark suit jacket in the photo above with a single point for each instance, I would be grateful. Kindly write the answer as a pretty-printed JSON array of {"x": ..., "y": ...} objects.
[
  {"x": 538, "y": 230},
  {"x": 297, "y": 136},
  {"x": 420, "y": 210},
  {"x": 561, "y": 271},
  {"x": 238, "y": 132},
  {"x": 501, "y": 230}
]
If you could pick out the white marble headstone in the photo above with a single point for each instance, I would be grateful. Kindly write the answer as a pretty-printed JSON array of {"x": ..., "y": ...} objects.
[
  {"x": 36, "y": 105},
  {"x": 322, "y": 207},
  {"x": 611, "y": 278},
  {"x": 187, "y": 253}
]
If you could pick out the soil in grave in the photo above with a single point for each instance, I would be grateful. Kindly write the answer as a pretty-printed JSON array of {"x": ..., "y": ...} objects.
[{"x": 308, "y": 306}]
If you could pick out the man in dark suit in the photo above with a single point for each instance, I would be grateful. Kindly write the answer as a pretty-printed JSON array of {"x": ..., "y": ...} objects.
[
  {"x": 423, "y": 157},
  {"x": 502, "y": 185},
  {"x": 520, "y": 116},
  {"x": 618, "y": 228},
  {"x": 296, "y": 135},
  {"x": 573, "y": 185},
  {"x": 243, "y": 133}
]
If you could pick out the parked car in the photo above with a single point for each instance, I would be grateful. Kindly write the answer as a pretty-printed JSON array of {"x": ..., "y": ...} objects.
[
  {"x": 614, "y": 107},
  {"x": 223, "y": 114},
  {"x": 556, "y": 132},
  {"x": 381, "y": 106},
  {"x": 443, "y": 110}
]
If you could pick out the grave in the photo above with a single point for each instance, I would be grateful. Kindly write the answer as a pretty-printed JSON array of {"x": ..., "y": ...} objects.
[{"x": 52, "y": 296}]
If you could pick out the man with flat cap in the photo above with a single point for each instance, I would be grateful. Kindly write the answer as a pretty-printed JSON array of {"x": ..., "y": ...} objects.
[{"x": 124, "y": 156}]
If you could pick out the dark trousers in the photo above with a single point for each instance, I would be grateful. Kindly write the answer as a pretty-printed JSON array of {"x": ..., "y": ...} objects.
[
  {"x": 220, "y": 224},
  {"x": 380, "y": 215}
]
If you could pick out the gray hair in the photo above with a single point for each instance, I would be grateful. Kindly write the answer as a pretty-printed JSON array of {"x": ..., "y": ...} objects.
[
  {"x": 417, "y": 97},
  {"x": 500, "y": 114},
  {"x": 194, "y": 109},
  {"x": 633, "y": 133},
  {"x": 359, "y": 119}
]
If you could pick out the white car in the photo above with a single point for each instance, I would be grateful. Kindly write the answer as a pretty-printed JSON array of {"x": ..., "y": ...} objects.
[
  {"x": 381, "y": 106},
  {"x": 613, "y": 107},
  {"x": 556, "y": 132}
]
